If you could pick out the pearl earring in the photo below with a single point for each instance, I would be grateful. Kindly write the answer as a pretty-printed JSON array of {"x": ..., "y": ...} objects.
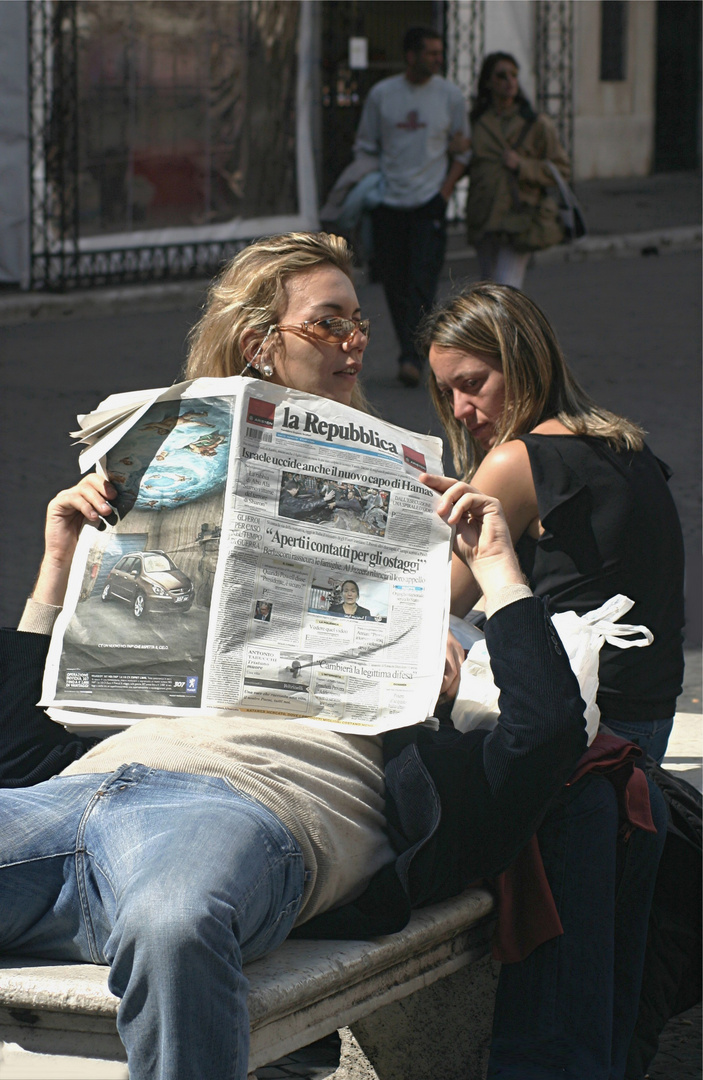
[{"x": 264, "y": 367}]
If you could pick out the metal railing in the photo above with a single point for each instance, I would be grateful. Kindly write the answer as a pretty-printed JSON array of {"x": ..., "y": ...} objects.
[{"x": 554, "y": 66}]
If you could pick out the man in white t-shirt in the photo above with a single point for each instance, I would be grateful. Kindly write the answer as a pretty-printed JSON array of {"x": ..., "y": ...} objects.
[{"x": 409, "y": 122}]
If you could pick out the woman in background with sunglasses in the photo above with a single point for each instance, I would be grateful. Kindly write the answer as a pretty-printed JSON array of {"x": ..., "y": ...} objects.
[{"x": 509, "y": 213}]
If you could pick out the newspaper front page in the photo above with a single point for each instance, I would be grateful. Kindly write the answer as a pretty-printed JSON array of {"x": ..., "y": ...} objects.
[{"x": 271, "y": 553}]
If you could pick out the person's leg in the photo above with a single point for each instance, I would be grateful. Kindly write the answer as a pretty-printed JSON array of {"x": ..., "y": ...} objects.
[
  {"x": 638, "y": 860},
  {"x": 174, "y": 880},
  {"x": 510, "y": 266},
  {"x": 410, "y": 248},
  {"x": 183, "y": 880},
  {"x": 427, "y": 229},
  {"x": 39, "y": 891},
  {"x": 554, "y": 1009},
  {"x": 391, "y": 236},
  {"x": 427, "y": 235},
  {"x": 487, "y": 251},
  {"x": 570, "y": 1008},
  {"x": 651, "y": 735}
]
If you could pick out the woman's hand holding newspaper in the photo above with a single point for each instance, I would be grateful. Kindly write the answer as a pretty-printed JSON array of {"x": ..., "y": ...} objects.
[
  {"x": 65, "y": 517},
  {"x": 482, "y": 538}
]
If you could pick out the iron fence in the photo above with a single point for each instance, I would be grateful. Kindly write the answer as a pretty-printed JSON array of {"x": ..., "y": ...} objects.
[
  {"x": 554, "y": 66},
  {"x": 464, "y": 36},
  {"x": 53, "y": 143}
]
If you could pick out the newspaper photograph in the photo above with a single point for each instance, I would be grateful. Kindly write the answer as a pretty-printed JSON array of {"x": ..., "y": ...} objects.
[{"x": 270, "y": 553}]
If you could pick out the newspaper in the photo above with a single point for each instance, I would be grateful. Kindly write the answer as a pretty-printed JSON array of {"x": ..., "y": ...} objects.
[{"x": 271, "y": 553}]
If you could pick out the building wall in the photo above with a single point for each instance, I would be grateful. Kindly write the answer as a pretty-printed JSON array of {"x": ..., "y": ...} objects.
[
  {"x": 510, "y": 27},
  {"x": 614, "y": 121}
]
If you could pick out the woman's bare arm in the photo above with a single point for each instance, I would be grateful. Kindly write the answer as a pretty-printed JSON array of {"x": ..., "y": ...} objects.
[
  {"x": 504, "y": 474},
  {"x": 482, "y": 538}
]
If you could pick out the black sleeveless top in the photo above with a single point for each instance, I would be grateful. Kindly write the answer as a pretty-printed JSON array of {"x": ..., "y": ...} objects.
[{"x": 611, "y": 526}]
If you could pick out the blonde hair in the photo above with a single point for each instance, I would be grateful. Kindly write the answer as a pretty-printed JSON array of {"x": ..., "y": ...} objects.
[
  {"x": 250, "y": 294},
  {"x": 502, "y": 324}
]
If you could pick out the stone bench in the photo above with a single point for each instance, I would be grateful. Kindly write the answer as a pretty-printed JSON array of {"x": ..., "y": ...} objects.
[{"x": 413, "y": 1000}]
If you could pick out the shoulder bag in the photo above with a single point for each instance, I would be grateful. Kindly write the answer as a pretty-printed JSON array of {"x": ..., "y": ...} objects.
[{"x": 534, "y": 228}]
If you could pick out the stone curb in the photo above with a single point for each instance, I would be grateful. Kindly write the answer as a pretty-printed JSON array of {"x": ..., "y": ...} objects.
[
  {"x": 95, "y": 303},
  {"x": 617, "y": 246}
]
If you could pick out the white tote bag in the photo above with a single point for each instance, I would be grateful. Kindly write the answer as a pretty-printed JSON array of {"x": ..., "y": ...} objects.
[{"x": 476, "y": 703}]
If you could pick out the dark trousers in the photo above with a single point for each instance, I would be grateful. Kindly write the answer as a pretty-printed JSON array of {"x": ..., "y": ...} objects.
[
  {"x": 409, "y": 251},
  {"x": 569, "y": 1009}
]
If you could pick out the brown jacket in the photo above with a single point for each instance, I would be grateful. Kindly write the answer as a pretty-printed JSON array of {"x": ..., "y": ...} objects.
[{"x": 491, "y": 191}]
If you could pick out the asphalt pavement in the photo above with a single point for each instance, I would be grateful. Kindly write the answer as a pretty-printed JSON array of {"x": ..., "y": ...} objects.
[{"x": 626, "y": 305}]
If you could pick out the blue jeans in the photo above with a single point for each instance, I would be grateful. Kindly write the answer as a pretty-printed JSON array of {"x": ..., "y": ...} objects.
[
  {"x": 174, "y": 881},
  {"x": 651, "y": 735},
  {"x": 569, "y": 1009}
]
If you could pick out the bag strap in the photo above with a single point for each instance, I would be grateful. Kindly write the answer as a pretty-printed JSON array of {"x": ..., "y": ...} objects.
[
  {"x": 523, "y": 133},
  {"x": 605, "y": 621},
  {"x": 565, "y": 191},
  {"x": 512, "y": 179}
]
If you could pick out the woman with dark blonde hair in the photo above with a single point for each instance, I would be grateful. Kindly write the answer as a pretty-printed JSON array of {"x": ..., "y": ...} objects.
[
  {"x": 590, "y": 516},
  {"x": 587, "y": 502},
  {"x": 239, "y": 332},
  {"x": 505, "y": 325}
]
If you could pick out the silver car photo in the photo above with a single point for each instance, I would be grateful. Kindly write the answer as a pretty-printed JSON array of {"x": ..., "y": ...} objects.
[{"x": 150, "y": 582}]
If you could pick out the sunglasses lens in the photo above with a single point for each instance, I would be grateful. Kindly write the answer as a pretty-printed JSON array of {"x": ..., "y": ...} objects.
[
  {"x": 331, "y": 329},
  {"x": 338, "y": 330}
]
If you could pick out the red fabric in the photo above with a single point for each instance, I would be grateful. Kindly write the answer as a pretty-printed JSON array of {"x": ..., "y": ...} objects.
[
  {"x": 615, "y": 758},
  {"x": 527, "y": 914}
]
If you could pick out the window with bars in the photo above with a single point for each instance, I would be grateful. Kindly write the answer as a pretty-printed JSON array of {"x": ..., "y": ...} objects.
[
  {"x": 186, "y": 112},
  {"x": 160, "y": 133}
]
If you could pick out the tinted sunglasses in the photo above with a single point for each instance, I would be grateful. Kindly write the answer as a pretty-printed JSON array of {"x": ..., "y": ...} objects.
[{"x": 330, "y": 329}]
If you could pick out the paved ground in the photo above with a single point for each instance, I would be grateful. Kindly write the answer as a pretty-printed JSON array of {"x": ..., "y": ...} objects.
[
  {"x": 640, "y": 203},
  {"x": 630, "y": 328},
  {"x": 680, "y": 1049}
]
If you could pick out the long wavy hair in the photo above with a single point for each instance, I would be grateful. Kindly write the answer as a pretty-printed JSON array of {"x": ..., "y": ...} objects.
[
  {"x": 250, "y": 294},
  {"x": 503, "y": 325},
  {"x": 483, "y": 94}
]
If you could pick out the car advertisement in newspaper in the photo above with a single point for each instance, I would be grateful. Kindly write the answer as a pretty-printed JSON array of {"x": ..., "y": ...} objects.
[{"x": 271, "y": 553}]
